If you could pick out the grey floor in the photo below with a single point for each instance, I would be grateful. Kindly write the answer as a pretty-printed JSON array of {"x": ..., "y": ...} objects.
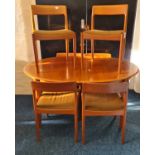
[{"x": 103, "y": 135}]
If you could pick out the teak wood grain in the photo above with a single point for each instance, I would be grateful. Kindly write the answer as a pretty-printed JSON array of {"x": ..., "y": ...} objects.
[
  {"x": 104, "y": 89},
  {"x": 80, "y": 70},
  {"x": 63, "y": 34},
  {"x": 39, "y": 87},
  {"x": 107, "y": 35}
]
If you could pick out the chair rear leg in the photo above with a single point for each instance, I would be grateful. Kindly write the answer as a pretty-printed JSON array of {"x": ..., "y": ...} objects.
[
  {"x": 83, "y": 129},
  {"x": 35, "y": 53},
  {"x": 123, "y": 128},
  {"x": 92, "y": 48},
  {"x": 121, "y": 121},
  {"x": 37, "y": 120},
  {"x": 67, "y": 48},
  {"x": 76, "y": 128},
  {"x": 74, "y": 46},
  {"x": 82, "y": 45}
]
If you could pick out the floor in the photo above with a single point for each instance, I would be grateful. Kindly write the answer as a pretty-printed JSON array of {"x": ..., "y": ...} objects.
[{"x": 103, "y": 135}]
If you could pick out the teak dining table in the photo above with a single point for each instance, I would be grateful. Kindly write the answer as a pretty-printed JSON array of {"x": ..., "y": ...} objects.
[{"x": 80, "y": 70}]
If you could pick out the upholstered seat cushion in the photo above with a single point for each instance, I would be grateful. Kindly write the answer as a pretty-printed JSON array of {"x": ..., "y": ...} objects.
[
  {"x": 100, "y": 102},
  {"x": 61, "y": 100},
  {"x": 102, "y": 32},
  {"x": 64, "y": 33}
]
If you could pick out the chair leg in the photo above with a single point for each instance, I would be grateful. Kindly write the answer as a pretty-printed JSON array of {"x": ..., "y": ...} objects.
[
  {"x": 83, "y": 129},
  {"x": 120, "y": 53},
  {"x": 74, "y": 46},
  {"x": 82, "y": 45},
  {"x": 92, "y": 48},
  {"x": 121, "y": 121},
  {"x": 76, "y": 128},
  {"x": 35, "y": 54},
  {"x": 37, "y": 120},
  {"x": 67, "y": 47},
  {"x": 123, "y": 128}
]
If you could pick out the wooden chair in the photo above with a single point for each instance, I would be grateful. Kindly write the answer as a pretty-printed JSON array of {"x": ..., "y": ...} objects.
[
  {"x": 55, "y": 98},
  {"x": 109, "y": 35},
  {"x": 102, "y": 99},
  {"x": 63, "y": 34}
]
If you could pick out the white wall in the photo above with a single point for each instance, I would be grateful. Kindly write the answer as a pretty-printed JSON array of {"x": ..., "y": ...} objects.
[
  {"x": 24, "y": 50},
  {"x": 135, "y": 52}
]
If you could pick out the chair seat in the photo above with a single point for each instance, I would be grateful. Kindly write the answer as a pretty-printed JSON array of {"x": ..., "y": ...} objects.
[
  {"x": 54, "y": 34},
  {"x": 99, "y": 34},
  {"x": 56, "y": 100},
  {"x": 103, "y": 102}
]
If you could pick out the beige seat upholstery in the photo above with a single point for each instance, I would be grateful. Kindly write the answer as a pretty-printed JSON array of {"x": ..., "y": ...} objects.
[
  {"x": 53, "y": 34},
  {"x": 57, "y": 100},
  {"x": 100, "y": 33},
  {"x": 102, "y": 102}
]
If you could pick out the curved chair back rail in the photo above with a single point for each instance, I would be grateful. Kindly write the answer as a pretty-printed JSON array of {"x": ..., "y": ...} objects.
[
  {"x": 54, "y": 87},
  {"x": 105, "y": 88},
  {"x": 110, "y": 10},
  {"x": 50, "y": 10}
]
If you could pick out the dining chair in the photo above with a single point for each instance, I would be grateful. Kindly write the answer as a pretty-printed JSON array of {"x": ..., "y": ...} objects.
[
  {"x": 55, "y": 98},
  {"x": 62, "y": 34},
  {"x": 104, "y": 99},
  {"x": 106, "y": 35}
]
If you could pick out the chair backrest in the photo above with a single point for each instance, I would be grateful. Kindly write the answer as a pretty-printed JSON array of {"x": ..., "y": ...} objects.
[
  {"x": 105, "y": 88},
  {"x": 110, "y": 10},
  {"x": 39, "y": 87},
  {"x": 49, "y": 10},
  {"x": 54, "y": 87}
]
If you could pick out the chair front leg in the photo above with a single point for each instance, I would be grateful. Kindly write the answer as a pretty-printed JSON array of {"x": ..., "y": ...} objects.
[
  {"x": 74, "y": 46},
  {"x": 67, "y": 48},
  {"x": 76, "y": 128},
  {"x": 123, "y": 128},
  {"x": 83, "y": 129},
  {"x": 35, "y": 53},
  {"x": 38, "y": 121},
  {"x": 82, "y": 45},
  {"x": 92, "y": 48},
  {"x": 121, "y": 121}
]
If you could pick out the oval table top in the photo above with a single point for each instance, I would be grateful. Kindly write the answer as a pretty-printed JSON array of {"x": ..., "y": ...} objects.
[{"x": 80, "y": 70}]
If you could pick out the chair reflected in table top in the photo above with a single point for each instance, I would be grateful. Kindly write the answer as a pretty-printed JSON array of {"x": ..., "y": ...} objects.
[{"x": 81, "y": 70}]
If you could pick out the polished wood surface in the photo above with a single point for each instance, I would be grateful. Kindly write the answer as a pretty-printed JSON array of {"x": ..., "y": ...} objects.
[
  {"x": 103, "y": 101},
  {"x": 60, "y": 69},
  {"x": 109, "y": 35},
  {"x": 63, "y": 34},
  {"x": 121, "y": 9},
  {"x": 39, "y": 87}
]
